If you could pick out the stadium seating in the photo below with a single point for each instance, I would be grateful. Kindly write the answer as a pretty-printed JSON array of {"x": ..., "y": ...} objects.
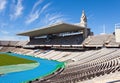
[
  {"x": 88, "y": 65},
  {"x": 108, "y": 64},
  {"x": 107, "y": 40},
  {"x": 65, "y": 40}
]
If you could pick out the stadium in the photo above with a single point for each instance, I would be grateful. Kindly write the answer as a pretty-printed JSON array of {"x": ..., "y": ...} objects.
[{"x": 62, "y": 53}]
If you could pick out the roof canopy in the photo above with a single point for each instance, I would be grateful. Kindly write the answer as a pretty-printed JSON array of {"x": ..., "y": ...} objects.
[{"x": 53, "y": 29}]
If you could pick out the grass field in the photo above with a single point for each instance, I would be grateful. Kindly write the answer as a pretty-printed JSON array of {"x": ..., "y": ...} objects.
[{"x": 6, "y": 59}]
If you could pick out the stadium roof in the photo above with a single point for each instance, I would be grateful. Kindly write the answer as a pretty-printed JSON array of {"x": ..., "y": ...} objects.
[{"x": 52, "y": 29}]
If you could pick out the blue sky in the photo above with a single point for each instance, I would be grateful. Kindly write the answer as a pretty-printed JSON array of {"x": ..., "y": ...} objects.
[{"x": 23, "y": 15}]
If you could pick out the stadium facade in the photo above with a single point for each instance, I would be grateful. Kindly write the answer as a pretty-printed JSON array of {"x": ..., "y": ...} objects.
[{"x": 88, "y": 58}]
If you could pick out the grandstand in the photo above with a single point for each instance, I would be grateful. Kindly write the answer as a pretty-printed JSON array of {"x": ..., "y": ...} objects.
[{"x": 89, "y": 58}]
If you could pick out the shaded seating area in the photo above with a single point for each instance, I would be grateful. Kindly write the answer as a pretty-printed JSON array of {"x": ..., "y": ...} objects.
[{"x": 63, "y": 40}]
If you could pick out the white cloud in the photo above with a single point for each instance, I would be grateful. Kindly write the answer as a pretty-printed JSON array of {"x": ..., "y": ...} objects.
[
  {"x": 45, "y": 7},
  {"x": 32, "y": 17},
  {"x": 35, "y": 13},
  {"x": 45, "y": 14},
  {"x": 55, "y": 16},
  {"x": 51, "y": 18},
  {"x": 36, "y": 5},
  {"x": 2, "y": 4},
  {"x": 18, "y": 9}
]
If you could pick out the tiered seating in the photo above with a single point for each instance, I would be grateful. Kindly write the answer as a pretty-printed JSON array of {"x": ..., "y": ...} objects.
[
  {"x": 6, "y": 49},
  {"x": 107, "y": 40},
  {"x": 21, "y": 43},
  {"x": 66, "y": 40},
  {"x": 54, "y": 53},
  {"x": 112, "y": 41},
  {"x": 13, "y": 43},
  {"x": 101, "y": 66},
  {"x": 1, "y": 47},
  {"x": 70, "y": 56},
  {"x": 96, "y": 40},
  {"x": 60, "y": 55},
  {"x": 4, "y": 43}
]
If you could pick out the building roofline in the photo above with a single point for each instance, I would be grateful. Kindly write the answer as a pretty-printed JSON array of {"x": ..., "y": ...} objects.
[{"x": 59, "y": 27}]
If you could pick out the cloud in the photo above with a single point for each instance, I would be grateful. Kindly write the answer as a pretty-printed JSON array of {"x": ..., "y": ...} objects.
[
  {"x": 32, "y": 17},
  {"x": 36, "y": 5},
  {"x": 18, "y": 9},
  {"x": 36, "y": 12},
  {"x": 51, "y": 18},
  {"x": 45, "y": 7},
  {"x": 2, "y": 4},
  {"x": 45, "y": 14}
]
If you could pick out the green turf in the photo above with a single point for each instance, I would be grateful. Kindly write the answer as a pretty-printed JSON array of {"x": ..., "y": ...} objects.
[{"x": 6, "y": 59}]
